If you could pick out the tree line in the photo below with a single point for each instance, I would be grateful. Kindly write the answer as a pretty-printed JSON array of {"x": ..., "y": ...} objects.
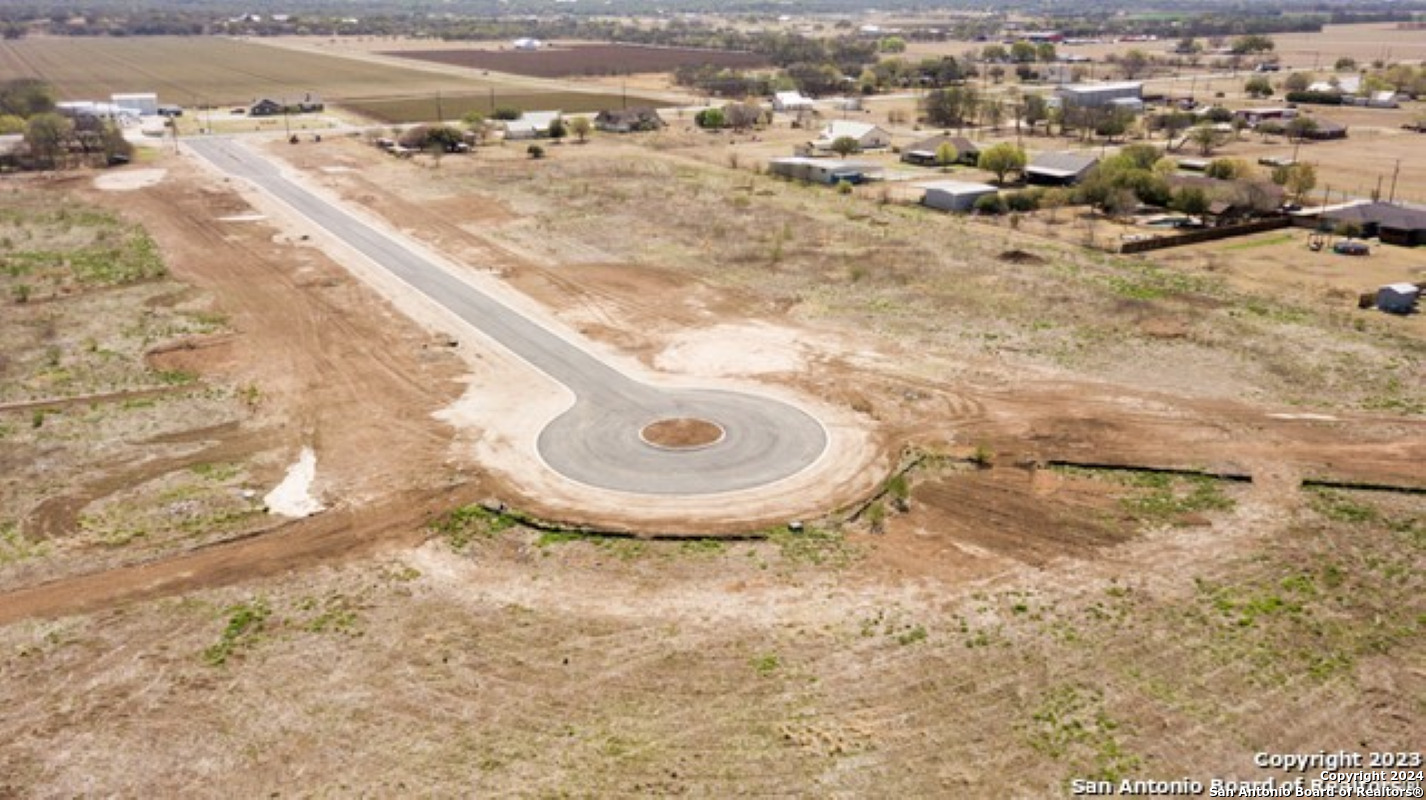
[{"x": 53, "y": 140}]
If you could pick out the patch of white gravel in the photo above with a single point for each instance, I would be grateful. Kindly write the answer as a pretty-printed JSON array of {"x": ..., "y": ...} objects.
[
  {"x": 130, "y": 179},
  {"x": 293, "y": 497},
  {"x": 733, "y": 350}
]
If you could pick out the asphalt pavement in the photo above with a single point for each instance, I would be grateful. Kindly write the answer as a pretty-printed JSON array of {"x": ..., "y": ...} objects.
[{"x": 596, "y": 441}]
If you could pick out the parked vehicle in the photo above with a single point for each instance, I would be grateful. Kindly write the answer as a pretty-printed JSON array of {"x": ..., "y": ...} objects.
[{"x": 1351, "y": 247}]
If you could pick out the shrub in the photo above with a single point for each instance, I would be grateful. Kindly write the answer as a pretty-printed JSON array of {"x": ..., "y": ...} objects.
[
  {"x": 505, "y": 113},
  {"x": 535, "y": 151},
  {"x": 1319, "y": 98},
  {"x": 990, "y": 204},
  {"x": 1028, "y": 200}
]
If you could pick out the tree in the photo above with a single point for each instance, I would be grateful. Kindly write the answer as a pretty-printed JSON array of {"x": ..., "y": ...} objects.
[
  {"x": 992, "y": 113},
  {"x": 994, "y": 53},
  {"x": 1001, "y": 159},
  {"x": 557, "y": 129},
  {"x": 11, "y": 123},
  {"x": 48, "y": 135},
  {"x": 26, "y": 97},
  {"x": 1143, "y": 156},
  {"x": 950, "y": 107},
  {"x": 1297, "y": 179},
  {"x": 1188, "y": 46},
  {"x": 1115, "y": 123},
  {"x": 1190, "y": 200},
  {"x": 1045, "y": 52},
  {"x": 1258, "y": 86},
  {"x": 581, "y": 126},
  {"x": 1133, "y": 63},
  {"x": 946, "y": 155},
  {"x": 710, "y": 119},
  {"x": 891, "y": 44},
  {"x": 1036, "y": 110},
  {"x": 845, "y": 146},
  {"x": 505, "y": 113},
  {"x": 1252, "y": 43},
  {"x": 741, "y": 116},
  {"x": 1053, "y": 200},
  {"x": 1225, "y": 169},
  {"x": 1023, "y": 52},
  {"x": 1345, "y": 64},
  {"x": 1206, "y": 138},
  {"x": 1299, "y": 128},
  {"x": 1297, "y": 82}
]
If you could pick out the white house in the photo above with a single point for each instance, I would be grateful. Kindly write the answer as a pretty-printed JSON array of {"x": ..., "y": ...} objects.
[
  {"x": 531, "y": 125},
  {"x": 954, "y": 195},
  {"x": 527, "y": 44},
  {"x": 866, "y": 135},
  {"x": 790, "y": 101}
]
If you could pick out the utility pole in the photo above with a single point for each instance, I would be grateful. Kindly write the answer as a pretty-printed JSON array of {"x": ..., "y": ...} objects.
[
  {"x": 440, "y": 115},
  {"x": 1376, "y": 193},
  {"x": 1392, "y": 197}
]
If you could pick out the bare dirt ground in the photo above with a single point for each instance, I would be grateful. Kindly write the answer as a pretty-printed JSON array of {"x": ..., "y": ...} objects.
[{"x": 1010, "y": 626}]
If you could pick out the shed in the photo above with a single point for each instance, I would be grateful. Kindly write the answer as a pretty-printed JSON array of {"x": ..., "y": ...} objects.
[
  {"x": 923, "y": 153},
  {"x": 1059, "y": 169},
  {"x": 1091, "y": 95},
  {"x": 531, "y": 125},
  {"x": 1398, "y": 298},
  {"x": 790, "y": 101},
  {"x": 822, "y": 170},
  {"x": 144, "y": 104},
  {"x": 954, "y": 195}
]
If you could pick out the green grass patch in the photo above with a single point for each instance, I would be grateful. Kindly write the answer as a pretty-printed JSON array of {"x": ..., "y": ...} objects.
[
  {"x": 464, "y": 524},
  {"x": 15, "y": 547},
  {"x": 246, "y": 622},
  {"x": 1267, "y": 241}
]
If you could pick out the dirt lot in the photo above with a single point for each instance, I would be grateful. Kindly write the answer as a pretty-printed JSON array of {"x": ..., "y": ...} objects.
[{"x": 989, "y": 624}]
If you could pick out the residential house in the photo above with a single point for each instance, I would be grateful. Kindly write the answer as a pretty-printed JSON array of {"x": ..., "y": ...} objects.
[
  {"x": 266, "y": 107},
  {"x": 1393, "y": 223},
  {"x": 629, "y": 120},
  {"x": 1059, "y": 169},
  {"x": 923, "y": 153},
  {"x": 144, "y": 104},
  {"x": 866, "y": 135}
]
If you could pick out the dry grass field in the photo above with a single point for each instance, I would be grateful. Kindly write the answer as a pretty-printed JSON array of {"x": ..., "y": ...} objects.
[{"x": 1101, "y": 560}]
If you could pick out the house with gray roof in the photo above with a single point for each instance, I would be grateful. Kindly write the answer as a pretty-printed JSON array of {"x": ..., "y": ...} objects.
[{"x": 1059, "y": 169}]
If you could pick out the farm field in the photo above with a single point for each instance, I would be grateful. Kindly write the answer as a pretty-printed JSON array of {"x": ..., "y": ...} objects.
[
  {"x": 585, "y": 59},
  {"x": 188, "y": 71},
  {"x": 428, "y": 108}
]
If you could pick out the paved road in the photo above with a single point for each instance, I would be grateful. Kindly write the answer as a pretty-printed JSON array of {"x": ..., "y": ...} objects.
[{"x": 596, "y": 441}]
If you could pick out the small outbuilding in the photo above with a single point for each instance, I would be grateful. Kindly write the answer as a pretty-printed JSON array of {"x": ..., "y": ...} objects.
[
  {"x": 531, "y": 125},
  {"x": 822, "y": 170},
  {"x": 791, "y": 101},
  {"x": 954, "y": 195},
  {"x": 1398, "y": 298},
  {"x": 1059, "y": 169},
  {"x": 144, "y": 104}
]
